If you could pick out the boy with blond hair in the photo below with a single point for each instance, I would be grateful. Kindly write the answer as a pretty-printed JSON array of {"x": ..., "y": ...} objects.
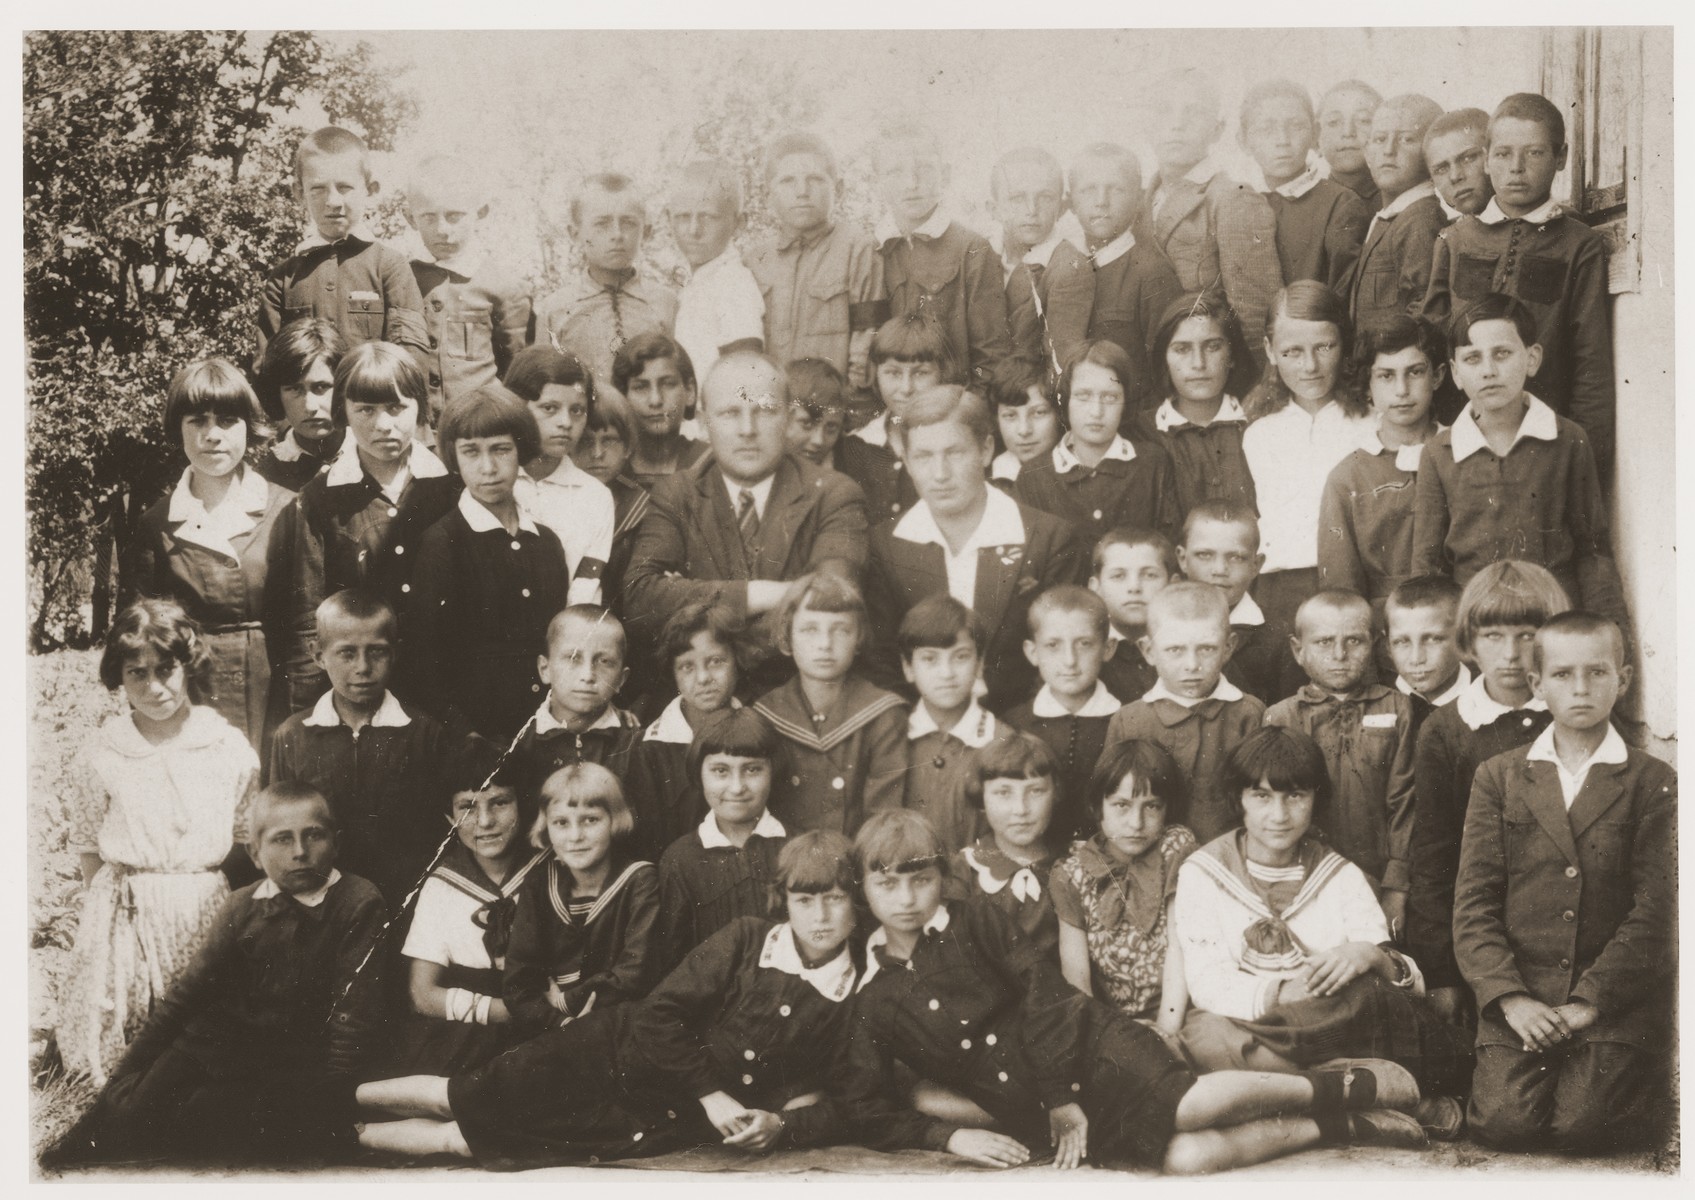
[{"x": 720, "y": 308}]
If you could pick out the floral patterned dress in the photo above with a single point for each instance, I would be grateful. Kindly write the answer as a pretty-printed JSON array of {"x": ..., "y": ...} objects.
[{"x": 1127, "y": 925}]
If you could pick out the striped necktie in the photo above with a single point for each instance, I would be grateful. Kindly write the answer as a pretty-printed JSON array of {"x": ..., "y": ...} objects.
[{"x": 747, "y": 518}]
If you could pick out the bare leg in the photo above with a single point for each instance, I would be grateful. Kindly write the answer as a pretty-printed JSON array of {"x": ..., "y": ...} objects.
[
  {"x": 1239, "y": 1146},
  {"x": 1231, "y": 1097},
  {"x": 408, "y": 1096},
  {"x": 415, "y": 1137}
]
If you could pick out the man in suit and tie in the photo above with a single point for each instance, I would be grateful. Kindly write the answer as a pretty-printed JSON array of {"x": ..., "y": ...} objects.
[
  {"x": 967, "y": 539},
  {"x": 738, "y": 526}
]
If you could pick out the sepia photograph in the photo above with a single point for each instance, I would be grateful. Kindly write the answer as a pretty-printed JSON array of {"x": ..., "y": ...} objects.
[{"x": 932, "y": 604}]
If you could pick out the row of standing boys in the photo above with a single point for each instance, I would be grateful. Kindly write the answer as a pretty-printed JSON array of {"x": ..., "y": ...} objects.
[{"x": 1065, "y": 541}]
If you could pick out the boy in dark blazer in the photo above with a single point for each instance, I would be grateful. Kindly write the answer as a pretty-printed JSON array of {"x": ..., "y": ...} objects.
[
  {"x": 1564, "y": 913},
  {"x": 1006, "y": 554},
  {"x": 1391, "y": 275}
]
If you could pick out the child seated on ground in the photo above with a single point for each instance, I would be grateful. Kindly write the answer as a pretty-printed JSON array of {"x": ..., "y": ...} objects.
[
  {"x": 1572, "y": 1053},
  {"x": 1495, "y": 627},
  {"x": 1068, "y": 632},
  {"x": 1113, "y": 893},
  {"x": 379, "y": 762},
  {"x": 1420, "y": 613},
  {"x": 1286, "y": 954},
  {"x": 254, "y": 1051},
  {"x": 1014, "y": 782},
  {"x": 702, "y": 648},
  {"x": 723, "y": 870},
  {"x": 846, "y": 737},
  {"x": 1220, "y": 546},
  {"x": 1130, "y": 566},
  {"x": 957, "y": 994},
  {"x": 1026, "y": 417},
  {"x": 1197, "y": 714},
  {"x": 940, "y": 643},
  {"x": 455, "y": 947},
  {"x": 1365, "y": 731},
  {"x": 584, "y": 933}
]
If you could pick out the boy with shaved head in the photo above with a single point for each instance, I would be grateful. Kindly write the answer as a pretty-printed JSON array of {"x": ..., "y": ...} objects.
[{"x": 1391, "y": 275}]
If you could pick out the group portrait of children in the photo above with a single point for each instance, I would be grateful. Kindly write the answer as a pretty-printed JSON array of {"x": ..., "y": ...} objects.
[{"x": 1131, "y": 687}]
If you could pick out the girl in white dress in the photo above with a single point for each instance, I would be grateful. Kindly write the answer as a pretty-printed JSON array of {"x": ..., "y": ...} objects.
[{"x": 159, "y": 795}]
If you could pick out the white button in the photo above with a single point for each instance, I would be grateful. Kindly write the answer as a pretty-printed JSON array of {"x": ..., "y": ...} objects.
[
  {"x": 638, "y": 1136},
  {"x": 747, "y": 1078},
  {"x": 794, "y": 780},
  {"x": 393, "y": 511},
  {"x": 526, "y": 593},
  {"x": 895, "y": 507},
  {"x": 1097, "y": 514},
  {"x": 671, "y": 1113},
  {"x": 1003, "y": 1076},
  {"x": 965, "y": 1043},
  {"x": 1076, "y": 1087},
  {"x": 405, "y": 587},
  {"x": 535, "y": 687},
  {"x": 361, "y": 556},
  {"x": 400, "y": 549},
  {"x": 934, "y": 1005},
  {"x": 990, "y": 1040},
  {"x": 838, "y": 783},
  {"x": 748, "y": 1054},
  {"x": 516, "y": 544},
  {"x": 784, "y": 1010}
]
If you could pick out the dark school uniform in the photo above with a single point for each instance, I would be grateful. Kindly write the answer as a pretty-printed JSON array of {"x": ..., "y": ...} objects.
[
  {"x": 1541, "y": 502},
  {"x": 546, "y": 744},
  {"x": 345, "y": 531},
  {"x": 940, "y": 767},
  {"x": 742, "y": 1014},
  {"x": 844, "y": 764},
  {"x": 1361, "y": 184},
  {"x": 983, "y": 874},
  {"x": 599, "y": 951},
  {"x": 1456, "y": 740},
  {"x": 1125, "y": 670},
  {"x": 254, "y": 1052},
  {"x": 1019, "y": 552},
  {"x": 1207, "y": 462},
  {"x": 1392, "y": 274},
  {"x": 1134, "y": 285},
  {"x": 690, "y": 454},
  {"x": 1132, "y": 485},
  {"x": 1076, "y": 739},
  {"x": 386, "y": 784},
  {"x": 359, "y": 284},
  {"x": 1367, "y": 740},
  {"x": 1320, "y": 227},
  {"x": 952, "y": 275},
  {"x": 1049, "y": 296},
  {"x": 820, "y": 289},
  {"x": 1562, "y": 904},
  {"x": 1557, "y": 265},
  {"x": 477, "y": 622},
  {"x": 878, "y": 471},
  {"x": 1256, "y": 664},
  {"x": 290, "y": 465},
  {"x": 705, "y": 882},
  {"x": 675, "y": 798},
  {"x": 1365, "y": 522},
  {"x": 461, "y": 923},
  {"x": 978, "y": 1008},
  {"x": 1199, "y": 735},
  {"x": 477, "y": 317},
  {"x": 629, "y": 506},
  {"x": 230, "y": 579}
]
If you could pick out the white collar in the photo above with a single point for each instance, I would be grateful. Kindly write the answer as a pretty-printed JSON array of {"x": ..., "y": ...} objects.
[
  {"x": 1223, "y": 690},
  {"x": 481, "y": 520},
  {"x": 566, "y": 474},
  {"x": 1540, "y": 215},
  {"x": 1452, "y": 692},
  {"x": 934, "y": 226},
  {"x": 1407, "y": 458},
  {"x": 389, "y": 714},
  {"x": 1002, "y": 524},
  {"x": 1101, "y": 703},
  {"x": 359, "y": 233},
  {"x": 1064, "y": 459},
  {"x": 1448, "y": 210},
  {"x": 937, "y": 923},
  {"x": 874, "y": 432},
  {"x": 267, "y": 888},
  {"x": 1317, "y": 170},
  {"x": 1006, "y": 466},
  {"x": 1038, "y": 255},
  {"x": 286, "y": 449},
  {"x": 1167, "y": 418},
  {"x": 727, "y": 259},
  {"x": 672, "y": 727},
  {"x": 1539, "y": 422},
  {"x": 545, "y": 722},
  {"x": 761, "y": 492},
  {"x": 976, "y": 727},
  {"x": 1202, "y": 172},
  {"x": 345, "y": 468},
  {"x": 1611, "y": 750},
  {"x": 213, "y": 528},
  {"x": 832, "y": 980},
  {"x": 466, "y": 264},
  {"x": 713, "y": 837},
  {"x": 1114, "y": 250},
  {"x": 1477, "y": 708},
  {"x": 1246, "y": 612},
  {"x": 1404, "y": 201}
]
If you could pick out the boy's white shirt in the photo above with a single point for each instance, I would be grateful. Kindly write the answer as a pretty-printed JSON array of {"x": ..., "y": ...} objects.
[
  {"x": 1316, "y": 170},
  {"x": 933, "y": 226},
  {"x": 1101, "y": 703},
  {"x": 1448, "y": 210},
  {"x": 546, "y": 722},
  {"x": 1401, "y": 203},
  {"x": 214, "y": 528},
  {"x": 1452, "y": 692},
  {"x": 1290, "y": 453},
  {"x": 1113, "y": 250},
  {"x": 975, "y": 727},
  {"x": 672, "y": 726},
  {"x": 1222, "y": 690},
  {"x": 721, "y": 303},
  {"x": 1540, "y": 215},
  {"x": 1167, "y": 418},
  {"x": 1065, "y": 458},
  {"x": 1246, "y": 612},
  {"x": 481, "y": 520},
  {"x": 389, "y": 714},
  {"x": 268, "y": 888},
  {"x": 1477, "y": 708},
  {"x": 1611, "y": 750},
  {"x": 1002, "y": 525},
  {"x": 581, "y": 511},
  {"x": 1540, "y": 422},
  {"x": 712, "y": 837},
  {"x": 1065, "y": 229},
  {"x": 937, "y": 923},
  {"x": 1200, "y": 175},
  {"x": 346, "y": 469},
  {"x": 832, "y": 980}
]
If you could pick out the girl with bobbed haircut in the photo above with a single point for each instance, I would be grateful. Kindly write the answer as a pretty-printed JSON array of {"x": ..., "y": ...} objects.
[
  {"x": 490, "y": 411},
  {"x": 939, "y": 405},
  {"x": 1286, "y": 760},
  {"x": 738, "y": 733},
  {"x": 1110, "y": 357},
  {"x": 900, "y": 840},
  {"x": 214, "y": 385},
  {"x": 1509, "y": 592},
  {"x": 823, "y": 591},
  {"x": 1153, "y": 769},
  {"x": 916, "y": 337},
  {"x": 534, "y": 367},
  {"x": 1012, "y": 755},
  {"x": 376, "y": 373},
  {"x": 1243, "y": 372},
  {"x": 164, "y": 628},
  {"x": 818, "y": 861},
  {"x": 298, "y": 346},
  {"x": 582, "y": 785}
]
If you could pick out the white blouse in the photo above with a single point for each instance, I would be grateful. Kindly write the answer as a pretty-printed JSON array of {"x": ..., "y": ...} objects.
[{"x": 1290, "y": 455}]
